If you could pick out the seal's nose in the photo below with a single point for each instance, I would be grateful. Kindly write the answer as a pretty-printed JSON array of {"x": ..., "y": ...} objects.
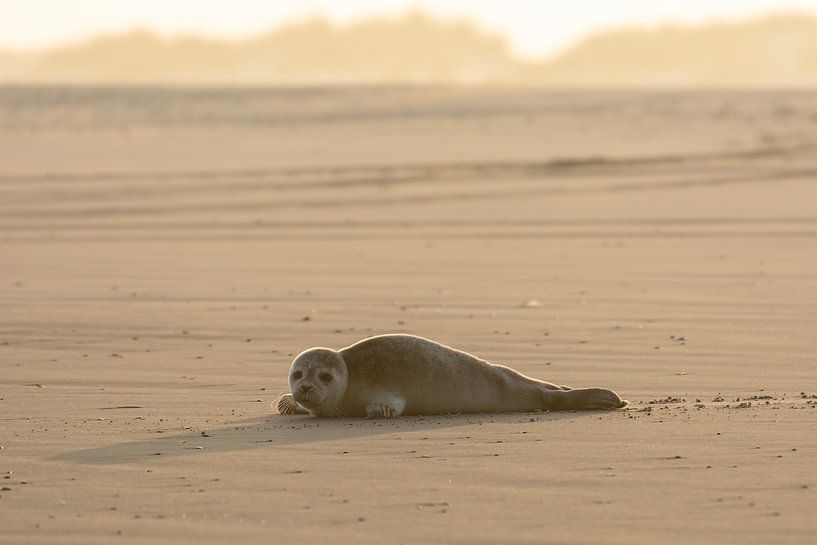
[{"x": 304, "y": 388}]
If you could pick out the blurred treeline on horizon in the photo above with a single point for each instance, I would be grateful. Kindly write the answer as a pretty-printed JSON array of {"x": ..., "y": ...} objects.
[{"x": 772, "y": 51}]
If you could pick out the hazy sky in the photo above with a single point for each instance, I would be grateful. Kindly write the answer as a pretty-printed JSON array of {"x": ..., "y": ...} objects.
[{"x": 535, "y": 27}]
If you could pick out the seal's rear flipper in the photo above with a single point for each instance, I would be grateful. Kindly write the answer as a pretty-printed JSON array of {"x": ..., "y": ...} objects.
[{"x": 583, "y": 399}]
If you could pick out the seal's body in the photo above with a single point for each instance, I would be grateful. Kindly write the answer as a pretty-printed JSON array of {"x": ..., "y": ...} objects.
[{"x": 391, "y": 375}]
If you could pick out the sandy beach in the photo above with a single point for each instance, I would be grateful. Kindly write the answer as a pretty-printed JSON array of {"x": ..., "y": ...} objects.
[{"x": 164, "y": 253}]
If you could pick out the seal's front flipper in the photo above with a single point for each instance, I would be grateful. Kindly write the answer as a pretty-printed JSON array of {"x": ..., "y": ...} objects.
[
  {"x": 288, "y": 405},
  {"x": 385, "y": 406}
]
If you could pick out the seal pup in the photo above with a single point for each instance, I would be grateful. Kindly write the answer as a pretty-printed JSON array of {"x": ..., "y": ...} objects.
[{"x": 390, "y": 375}]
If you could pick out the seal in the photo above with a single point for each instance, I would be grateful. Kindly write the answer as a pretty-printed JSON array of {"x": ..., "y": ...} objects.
[{"x": 391, "y": 375}]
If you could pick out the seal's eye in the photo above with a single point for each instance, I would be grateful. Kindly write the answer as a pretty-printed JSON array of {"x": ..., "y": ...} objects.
[
  {"x": 297, "y": 375},
  {"x": 325, "y": 377}
]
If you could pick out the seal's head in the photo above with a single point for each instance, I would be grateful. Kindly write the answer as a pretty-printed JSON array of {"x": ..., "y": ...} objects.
[{"x": 318, "y": 380}]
